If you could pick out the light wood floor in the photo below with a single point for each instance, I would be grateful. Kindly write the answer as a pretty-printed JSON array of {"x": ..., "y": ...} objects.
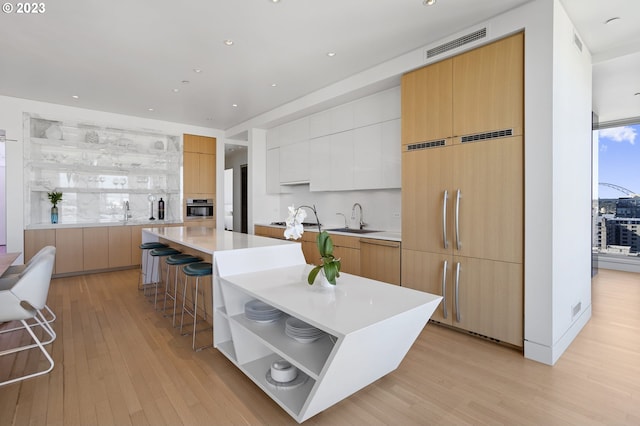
[{"x": 118, "y": 362}]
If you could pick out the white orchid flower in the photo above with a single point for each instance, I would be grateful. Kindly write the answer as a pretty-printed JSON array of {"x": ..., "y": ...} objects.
[{"x": 294, "y": 221}]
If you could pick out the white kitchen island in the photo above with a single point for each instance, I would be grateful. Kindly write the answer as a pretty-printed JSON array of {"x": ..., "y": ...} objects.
[{"x": 369, "y": 325}]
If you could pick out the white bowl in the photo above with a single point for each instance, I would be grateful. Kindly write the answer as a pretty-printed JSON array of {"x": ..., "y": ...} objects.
[{"x": 282, "y": 371}]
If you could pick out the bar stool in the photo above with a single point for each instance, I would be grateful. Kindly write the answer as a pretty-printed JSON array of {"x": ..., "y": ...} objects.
[
  {"x": 200, "y": 269},
  {"x": 175, "y": 260},
  {"x": 146, "y": 248},
  {"x": 159, "y": 253}
]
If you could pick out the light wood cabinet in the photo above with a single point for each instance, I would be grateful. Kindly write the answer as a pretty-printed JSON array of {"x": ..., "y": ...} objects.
[
  {"x": 69, "y": 250},
  {"x": 120, "y": 246},
  {"x": 427, "y": 96},
  {"x": 96, "y": 248},
  {"x": 463, "y": 201},
  {"x": 36, "y": 239},
  {"x": 136, "y": 240},
  {"x": 269, "y": 231},
  {"x": 199, "y": 166},
  {"x": 380, "y": 260},
  {"x": 489, "y": 88}
]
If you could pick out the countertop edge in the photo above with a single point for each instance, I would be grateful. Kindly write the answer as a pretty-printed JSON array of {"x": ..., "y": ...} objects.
[{"x": 382, "y": 235}]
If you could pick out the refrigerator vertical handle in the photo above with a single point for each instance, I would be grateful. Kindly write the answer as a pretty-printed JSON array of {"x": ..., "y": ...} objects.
[
  {"x": 444, "y": 219},
  {"x": 457, "y": 291},
  {"x": 444, "y": 289},
  {"x": 458, "y": 243}
]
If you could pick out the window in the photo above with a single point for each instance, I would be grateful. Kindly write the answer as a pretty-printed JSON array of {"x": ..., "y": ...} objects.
[{"x": 618, "y": 195}]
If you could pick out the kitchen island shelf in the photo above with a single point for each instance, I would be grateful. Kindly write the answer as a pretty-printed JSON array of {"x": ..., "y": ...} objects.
[{"x": 310, "y": 357}]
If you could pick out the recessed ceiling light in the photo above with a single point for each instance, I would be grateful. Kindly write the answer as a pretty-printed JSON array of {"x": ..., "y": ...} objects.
[
  {"x": 429, "y": 2},
  {"x": 234, "y": 105},
  {"x": 197, "y": 70},
  {"x": 150, "y": 109},
  {"x": 331, "y": 54},
  {"x": 75, "y": 96},
  {"x": 274, "y": 84},
  {"x": 228, "y": 42},
  {"x": 274, "y": 1},
  {"x": 175, "y": 90},
  {"x": 610, "y": 20}
]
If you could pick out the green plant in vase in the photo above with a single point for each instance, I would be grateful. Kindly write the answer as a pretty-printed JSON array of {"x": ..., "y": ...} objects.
[
  {"x": 329, "y": 264},
  {"x": 55, "y": 198}
]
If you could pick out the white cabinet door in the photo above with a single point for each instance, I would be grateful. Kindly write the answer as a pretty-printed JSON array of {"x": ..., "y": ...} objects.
[
  {"x": 367, "y": 159},
  {"x": 377, "y": 156},
  {"x": 320, "y": 164},
  {"x": 294, "y": 163},
  {"x": 391, "y": 149},
  {"x": 342, "y": 157},
  {"x": 273, "y": 171}
]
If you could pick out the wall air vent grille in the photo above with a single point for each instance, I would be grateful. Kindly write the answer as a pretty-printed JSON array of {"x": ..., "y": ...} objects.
[
  {"x": 488, "y": 135},
  {"x": 577, "y": 41},
  {"x": 454, "y": 44},
  {"x": 425, "y": 145}
]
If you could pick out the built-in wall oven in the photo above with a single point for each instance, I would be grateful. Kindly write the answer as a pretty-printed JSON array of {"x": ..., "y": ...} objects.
[{"x": 199, "y": 207}]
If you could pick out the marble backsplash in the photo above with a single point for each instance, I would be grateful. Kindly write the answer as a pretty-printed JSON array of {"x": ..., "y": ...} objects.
[{"x": 99, "y": 168}]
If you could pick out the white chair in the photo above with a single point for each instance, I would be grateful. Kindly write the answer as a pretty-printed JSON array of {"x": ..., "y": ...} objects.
[
  {"x": 24, "y": 301},
  {"x": 11, "y": 276}
]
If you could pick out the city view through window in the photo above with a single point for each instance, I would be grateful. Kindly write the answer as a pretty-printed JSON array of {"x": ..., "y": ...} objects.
[{"x": 617, "y": 230}]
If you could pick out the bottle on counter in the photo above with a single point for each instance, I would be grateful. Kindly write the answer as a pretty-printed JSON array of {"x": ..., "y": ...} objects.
[{"x": 161, "y": 209}]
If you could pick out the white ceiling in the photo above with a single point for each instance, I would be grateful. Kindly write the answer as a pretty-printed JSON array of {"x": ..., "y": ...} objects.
[{"x": 127, "y": 56}]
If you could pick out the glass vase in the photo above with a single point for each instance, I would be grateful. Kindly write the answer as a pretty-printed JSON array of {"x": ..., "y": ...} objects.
[{"x": 54, "y": 214}]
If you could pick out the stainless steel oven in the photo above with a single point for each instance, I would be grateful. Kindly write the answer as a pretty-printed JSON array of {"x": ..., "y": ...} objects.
[{"x": 199, "y": 207}]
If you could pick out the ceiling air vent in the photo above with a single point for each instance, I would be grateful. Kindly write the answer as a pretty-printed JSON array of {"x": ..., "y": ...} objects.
[
  {"x": 425, "y": 145},
  {"x": 488, "y": 135},
  {"x": 453, "y": 44}
]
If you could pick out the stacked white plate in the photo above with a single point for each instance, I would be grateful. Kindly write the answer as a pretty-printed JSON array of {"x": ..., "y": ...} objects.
[
  {"x": 301, "y": 331},
  {"x": 257, "y": 310}
]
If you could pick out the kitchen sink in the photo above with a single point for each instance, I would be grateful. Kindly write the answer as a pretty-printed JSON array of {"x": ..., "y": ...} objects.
[{"x": 353, "y": 230}]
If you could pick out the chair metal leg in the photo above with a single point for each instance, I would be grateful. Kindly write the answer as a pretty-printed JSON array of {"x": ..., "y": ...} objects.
[{"x": 45, "y": 325}]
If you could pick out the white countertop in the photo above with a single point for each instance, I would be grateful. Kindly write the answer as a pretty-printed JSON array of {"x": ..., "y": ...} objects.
[
  {"x": 378, "y": 235},
  {"x": 209, "y": 240},
  {"x": 354, "y": 304},
  {"x": 101, "y": 223}
]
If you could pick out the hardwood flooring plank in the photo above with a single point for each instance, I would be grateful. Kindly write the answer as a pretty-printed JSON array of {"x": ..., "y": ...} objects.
[{"x": 120, "y": 362}]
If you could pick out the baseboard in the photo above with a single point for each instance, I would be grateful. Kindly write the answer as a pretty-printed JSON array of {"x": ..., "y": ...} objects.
[{"x": 550, "y": 355}]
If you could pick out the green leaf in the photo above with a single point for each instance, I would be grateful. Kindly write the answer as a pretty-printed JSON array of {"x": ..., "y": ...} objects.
[
  {"x": 325, "y": 245},
  {"x": 313, "y": 274}
]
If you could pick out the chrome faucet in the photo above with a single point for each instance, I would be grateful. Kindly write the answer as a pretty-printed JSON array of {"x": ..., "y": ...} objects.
[
  {"x": 127, "y": 212},
  {"x": 346, "y": 225},
  {"x": 353, "y": 215}
]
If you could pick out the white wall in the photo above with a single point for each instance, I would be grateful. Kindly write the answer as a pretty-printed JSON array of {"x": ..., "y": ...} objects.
[
  {"x": 3, "y": 198},
  {"x": 11, "y": 110},
  {"x": 557, "y": 197},
  {"x": 572, "y": 185}
]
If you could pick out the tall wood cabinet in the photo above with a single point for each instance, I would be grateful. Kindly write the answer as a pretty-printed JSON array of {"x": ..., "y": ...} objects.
[
  {"x": 199, "y": 166},
  {"x": 462, "y": 191}
]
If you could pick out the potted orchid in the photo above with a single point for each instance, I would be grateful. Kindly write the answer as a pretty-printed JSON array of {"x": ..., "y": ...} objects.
[{"x": 329, "y": 265}]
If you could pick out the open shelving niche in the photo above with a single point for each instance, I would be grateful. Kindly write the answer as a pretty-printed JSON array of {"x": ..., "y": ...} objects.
[
  {"x": 253, "y": 346},
  {"x": 97, "y": 168}
]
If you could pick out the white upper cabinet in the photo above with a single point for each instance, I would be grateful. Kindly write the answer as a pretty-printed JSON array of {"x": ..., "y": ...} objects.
[
  {"x": 294, "y": 163},
  {"x": 377, "y": 108},
  {"x": 351, "y": 146}
]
